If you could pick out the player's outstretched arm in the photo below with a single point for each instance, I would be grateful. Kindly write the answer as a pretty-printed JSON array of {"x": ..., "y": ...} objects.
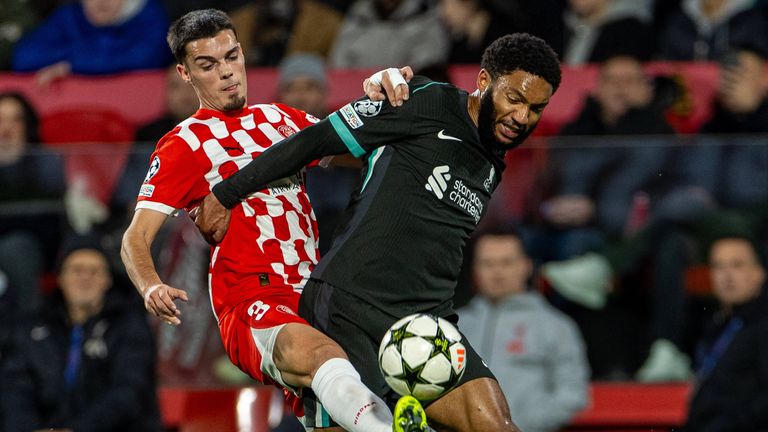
[
  {"x": 281, "y": 160},
  {"x": 136, "y": 254}
]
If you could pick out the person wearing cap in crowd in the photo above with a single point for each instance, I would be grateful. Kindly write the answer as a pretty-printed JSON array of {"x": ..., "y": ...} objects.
[{"x": 86, "y": 360}]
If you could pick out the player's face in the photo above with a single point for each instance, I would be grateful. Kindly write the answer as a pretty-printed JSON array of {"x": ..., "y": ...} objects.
[
  {"x": 84, "y": 278},
  {"x": 511, "y": 106},
  {"x": 501, "y": 267},
  {"x": 216, "y": 69},
  {"x": 102, "y": 12},
  {"x": 737, "y": 275}
]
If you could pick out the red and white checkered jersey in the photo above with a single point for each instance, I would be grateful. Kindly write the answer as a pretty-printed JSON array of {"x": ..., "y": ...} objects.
[{"x": 272, "y": 236}]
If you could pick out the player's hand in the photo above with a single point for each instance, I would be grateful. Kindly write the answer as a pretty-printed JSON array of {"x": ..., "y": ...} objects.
[
  {"x": 211, "y": 219},
  {"x": 389, "y": 84},
  {"x": 160, "y": 301}
]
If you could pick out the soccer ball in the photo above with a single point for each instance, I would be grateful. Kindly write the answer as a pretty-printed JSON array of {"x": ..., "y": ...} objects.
[{"x": 422, "y": 355}]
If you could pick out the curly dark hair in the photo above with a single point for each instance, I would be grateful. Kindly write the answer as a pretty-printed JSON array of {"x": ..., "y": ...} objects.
[
  {"x": 522, "y": 51},
  {"x": 198, "y": 24}
]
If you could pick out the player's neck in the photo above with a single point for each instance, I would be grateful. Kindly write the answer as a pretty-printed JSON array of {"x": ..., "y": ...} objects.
[{"x": 473, "y": 106}]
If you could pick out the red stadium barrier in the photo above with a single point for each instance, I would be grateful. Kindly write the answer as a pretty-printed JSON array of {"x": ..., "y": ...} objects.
[
  {"x": 615, "y": 407},
  {"x": 234, "y": 409},
  {"x": 138, "y": 96},
  {"x": 629, "y": 406}
]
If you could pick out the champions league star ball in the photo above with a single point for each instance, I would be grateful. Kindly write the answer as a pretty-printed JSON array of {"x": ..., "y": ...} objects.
[{"x": 422, "y": 355}]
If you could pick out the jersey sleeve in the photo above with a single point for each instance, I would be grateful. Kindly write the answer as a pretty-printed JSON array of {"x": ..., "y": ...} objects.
[
  {"x": 364, "y": 125},
  {"x": 175, "y": 180}
]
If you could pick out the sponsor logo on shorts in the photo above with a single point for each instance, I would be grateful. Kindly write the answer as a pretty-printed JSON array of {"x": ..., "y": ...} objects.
[
  {"x": 350, "y": 116},
  {"x": 286, "y": 310},
  {"x": 147, "y": 190},
  {"x": 368, "y": 108}
]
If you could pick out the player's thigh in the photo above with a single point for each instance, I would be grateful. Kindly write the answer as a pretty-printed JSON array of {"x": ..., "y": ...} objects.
[
  {"x": 477, "y": 405},
  {"x": 300, "y": 350},
  {"x": 355, "y": 325},
  {"x": 249, "y": 332}
]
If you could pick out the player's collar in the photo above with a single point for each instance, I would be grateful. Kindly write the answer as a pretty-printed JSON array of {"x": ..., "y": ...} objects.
[{"x": 207, "y": 113}]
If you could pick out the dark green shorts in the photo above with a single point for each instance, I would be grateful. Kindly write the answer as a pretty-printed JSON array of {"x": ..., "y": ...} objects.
[{"x": 358, "y": 328}]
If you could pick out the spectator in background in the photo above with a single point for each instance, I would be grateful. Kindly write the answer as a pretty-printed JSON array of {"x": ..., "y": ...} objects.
[
  {"x": 595, "y": 179},
  {"x": 31, "y": 208},
  {"x": 718, "y": 185},
  {"x": 473, "y": 25},
  {"x": 535, "y": 351},
  {"x": 731, "y": 392},
  {"x": 733, "y": 171},
  {"x": 95, "y": 37},
  {"x": 385, "y": 32},
  {"x": 303, "y": 85},
  {"x": 742, "y": 103},
  {"x": 596, "y": 30},
  {"x": 708, "y": 29},
  {"x": 601, "y": 180},
  {"x": 86, "y": 361},
  {"x": 316, "y": 25}
]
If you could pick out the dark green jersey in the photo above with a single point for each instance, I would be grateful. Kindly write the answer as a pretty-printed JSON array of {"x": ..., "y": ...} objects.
[{"x": 426, "y": 183}]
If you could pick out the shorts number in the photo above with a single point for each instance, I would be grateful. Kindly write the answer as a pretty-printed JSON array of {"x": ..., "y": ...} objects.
[{"x": 257, "y": 310}]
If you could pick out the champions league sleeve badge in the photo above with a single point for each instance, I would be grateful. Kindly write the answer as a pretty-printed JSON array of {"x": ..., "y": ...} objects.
[
  {"x": 368, "y": 108},
  {"x": 154, "y": 167}
]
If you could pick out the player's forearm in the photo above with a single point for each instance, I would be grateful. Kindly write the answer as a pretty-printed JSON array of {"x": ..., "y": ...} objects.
[
  {"x": 281, "y": 160},
  {"x": 137, "y": 258}
]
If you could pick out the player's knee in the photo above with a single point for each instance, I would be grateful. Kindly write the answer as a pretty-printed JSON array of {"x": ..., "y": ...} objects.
[{"x": 303, "y": 349}]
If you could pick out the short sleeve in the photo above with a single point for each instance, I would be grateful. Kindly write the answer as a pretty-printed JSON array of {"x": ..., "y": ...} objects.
[{"x": 175, "y": 180}]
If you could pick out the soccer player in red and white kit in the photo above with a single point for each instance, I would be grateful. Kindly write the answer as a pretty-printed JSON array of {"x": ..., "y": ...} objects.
[{"x": 256, "y": 273}]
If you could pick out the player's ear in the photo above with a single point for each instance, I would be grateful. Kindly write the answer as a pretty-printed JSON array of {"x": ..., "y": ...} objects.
[
  {"x": 483, "y": 80},
  {"x": 182, "y": 70}
]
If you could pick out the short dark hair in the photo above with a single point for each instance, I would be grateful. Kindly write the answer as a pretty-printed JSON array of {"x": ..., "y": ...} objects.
[
  {"x": 522, "y": 51},
  {"x": 496, "y": 229},
  {"x": 198, "y": 24},
  {"x": 31, "y": 119},
  {"x": 749, "y": 239}
]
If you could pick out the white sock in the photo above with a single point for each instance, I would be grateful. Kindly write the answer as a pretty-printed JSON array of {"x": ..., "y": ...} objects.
[{"x": 348, "y": 401}]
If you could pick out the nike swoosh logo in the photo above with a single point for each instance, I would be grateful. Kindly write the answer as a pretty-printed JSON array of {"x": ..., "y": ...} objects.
[{"x": 442, "y": 135}]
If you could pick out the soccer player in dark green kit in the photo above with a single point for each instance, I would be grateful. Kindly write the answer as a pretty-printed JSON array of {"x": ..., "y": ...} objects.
[{"x": 430, "y": 167}]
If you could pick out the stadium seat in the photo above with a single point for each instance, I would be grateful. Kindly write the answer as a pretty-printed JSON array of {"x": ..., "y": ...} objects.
[{"x": 95, "y": 144}]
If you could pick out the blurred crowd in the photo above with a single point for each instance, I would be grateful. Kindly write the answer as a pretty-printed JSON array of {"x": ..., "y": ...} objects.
[
  {"x": 56, "y": 37},
  {"x": 618, "y": 210}
]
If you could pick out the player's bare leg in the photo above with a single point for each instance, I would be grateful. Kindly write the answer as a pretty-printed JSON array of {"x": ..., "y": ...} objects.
[
  {"x": 477, "y": 405},
  {"x": 308, "y": 358}
]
